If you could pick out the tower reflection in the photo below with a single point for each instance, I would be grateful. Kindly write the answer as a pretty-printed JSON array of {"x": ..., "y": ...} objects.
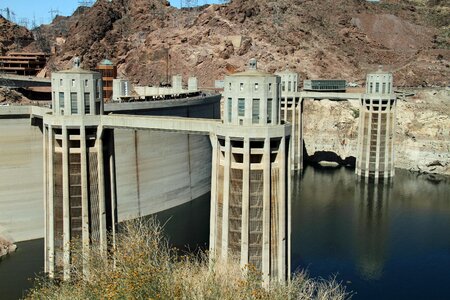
[{"x": 372, "y": 211}]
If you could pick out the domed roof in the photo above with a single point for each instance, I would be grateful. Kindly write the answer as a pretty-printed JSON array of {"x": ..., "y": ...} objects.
[{"x": 106, "y": 62}]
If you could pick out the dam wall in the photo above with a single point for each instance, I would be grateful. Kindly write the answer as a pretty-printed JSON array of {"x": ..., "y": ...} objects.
[
  {"x": 21, "y": 179},
  {"x": 155, "y": 170}
]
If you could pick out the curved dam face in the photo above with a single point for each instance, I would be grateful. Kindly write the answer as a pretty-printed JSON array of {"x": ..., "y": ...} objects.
[
  {"x": 21, "y": 183},
  {"x": 155, "y": 170}
]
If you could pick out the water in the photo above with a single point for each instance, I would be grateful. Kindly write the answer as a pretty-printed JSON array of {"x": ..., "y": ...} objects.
[
  {"x": 18, "y": 269},
  {"x": 382, "y": 241}
]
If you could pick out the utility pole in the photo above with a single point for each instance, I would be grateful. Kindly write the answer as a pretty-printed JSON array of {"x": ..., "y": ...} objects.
[
  {"x": 53, "y": 13},
  {"x": 24, "y": 22}
]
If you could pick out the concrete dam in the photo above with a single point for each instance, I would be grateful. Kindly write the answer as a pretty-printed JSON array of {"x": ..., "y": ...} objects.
[
  {"x": 154, "y": 170},
  {"x": 101, "y": 164}
]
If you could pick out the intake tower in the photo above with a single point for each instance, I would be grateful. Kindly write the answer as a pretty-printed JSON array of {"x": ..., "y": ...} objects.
[
  {"x": 79, "y": 181},
  {"x": 250, "y": 210},
  {"x": 375, "y": 153}
]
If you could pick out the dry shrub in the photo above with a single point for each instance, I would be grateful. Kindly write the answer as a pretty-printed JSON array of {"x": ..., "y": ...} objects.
[{"x": 145, "y": 267}]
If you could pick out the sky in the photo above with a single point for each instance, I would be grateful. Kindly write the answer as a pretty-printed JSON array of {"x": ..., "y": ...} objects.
[{"x": 39, "y": 11}]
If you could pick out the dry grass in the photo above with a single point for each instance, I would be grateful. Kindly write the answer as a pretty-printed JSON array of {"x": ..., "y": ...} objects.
[{"x": 145, "y": 267}]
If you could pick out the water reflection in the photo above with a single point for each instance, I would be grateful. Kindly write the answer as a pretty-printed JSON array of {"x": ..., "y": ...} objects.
[
  {"x": 372, "y": 200},
  {"x": 384, "y": 241}
]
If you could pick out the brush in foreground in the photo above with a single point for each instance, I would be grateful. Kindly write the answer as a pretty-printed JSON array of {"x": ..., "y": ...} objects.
[{"x": 145, "y": 267}]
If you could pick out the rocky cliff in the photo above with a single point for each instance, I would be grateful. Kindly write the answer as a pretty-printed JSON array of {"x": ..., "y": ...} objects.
[
  {"x": 328, "y": 38},
  {"x": 14, "y": 37},
  {"x": 422, "y": 141}
]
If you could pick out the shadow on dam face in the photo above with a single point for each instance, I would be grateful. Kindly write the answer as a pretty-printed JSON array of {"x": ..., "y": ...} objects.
[{"x": 186, "y": 226}]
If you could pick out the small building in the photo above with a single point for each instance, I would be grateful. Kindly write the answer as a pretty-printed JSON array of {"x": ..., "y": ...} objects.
[
  {"x": 109, "y": 73},
  {"x": 121, "y": 89},
  {"x": 324, "y": 85}
]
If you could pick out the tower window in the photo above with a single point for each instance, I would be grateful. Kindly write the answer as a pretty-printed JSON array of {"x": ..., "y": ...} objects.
[
  {"x": 283, "y": 86},
  {"x": 229, "y": 86},
  {"x": 289, "y": 86},
  {"x": 73, "y": 103},
  {"x": 73, "y": 82},
  {"x": 60, "y": 82},
  {"x": 241, "y": 107},
  {"x": 86, "y": 83},
  {"x": 371, "y": 88},
  {"x": 255, "y": 111},
  {"x": 97, "y": 88},
  {"x": 256, "y": 86},
  {"x": 269, "y": 110},
  {"x": 87, "y": 103},
  {"x": 383, "y": 88},
  {"x": 377, "y": 87},
  {"x": 241, "y": 86},
  {"x": 61, "y": 100},
  {"x": 270, "y": 87}
]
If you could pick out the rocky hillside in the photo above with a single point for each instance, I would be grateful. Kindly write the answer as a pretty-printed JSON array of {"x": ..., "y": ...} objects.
[
  {"x": 327, "y": 38},
  {"x": 14, "y": 37}
]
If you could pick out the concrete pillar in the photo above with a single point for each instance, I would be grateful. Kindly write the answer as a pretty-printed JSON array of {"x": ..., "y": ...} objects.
[
  {"x": 66, "y": 204},
  {"x": 101, "y": 191},
  {"x": 245, "y": 203},
  {"x": 289, "y": 219},
  {"x": 112, "y": 168},
  {"x": 226, "y": 198},
  {"x": 46, "y": 208},
  {"x": 84, "y": 199},
  {"x": 213, "y": 210},
  {"x": 49, "y": 216},
  {"x": 282, "y": 163},
  {"x": 299, "y": 129},
  {"x": 266, "y": 212},
  {"x": 368, "y": 134}
]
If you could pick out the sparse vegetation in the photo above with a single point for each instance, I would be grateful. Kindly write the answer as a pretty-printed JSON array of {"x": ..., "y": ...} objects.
[
  {"x": 145, "y": 267},
  {"x": 355, "y": 112}
]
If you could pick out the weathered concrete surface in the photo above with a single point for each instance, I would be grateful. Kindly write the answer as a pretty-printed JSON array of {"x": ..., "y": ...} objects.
[
  {"x": 422, "y": 133},
  {"x": 21, "y": 185},
  {"x": 157, "y": 170}
]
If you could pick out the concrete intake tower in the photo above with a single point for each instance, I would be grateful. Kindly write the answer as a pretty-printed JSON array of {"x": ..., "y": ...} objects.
[
  {"x": 375, "y": 152},
  {"x": 79, "y": 183},
  {"x": 250, "y": 208}
]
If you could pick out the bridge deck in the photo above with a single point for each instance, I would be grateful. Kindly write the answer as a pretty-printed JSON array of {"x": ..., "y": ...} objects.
[{"x": 163, "y": 123}]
